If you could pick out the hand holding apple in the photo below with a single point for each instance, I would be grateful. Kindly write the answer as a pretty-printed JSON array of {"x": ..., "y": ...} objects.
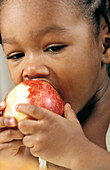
[
  {"x": 39, "y": 93},
  {"x": 53, "y": 138},
  {"x": 10, "y": 137}
]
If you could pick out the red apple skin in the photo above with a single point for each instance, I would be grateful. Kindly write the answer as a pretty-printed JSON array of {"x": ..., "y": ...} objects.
[{"x": 39, "y": 93}]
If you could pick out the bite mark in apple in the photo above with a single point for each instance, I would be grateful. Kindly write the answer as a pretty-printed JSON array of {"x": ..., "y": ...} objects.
[{"x": 35, "y": 92}]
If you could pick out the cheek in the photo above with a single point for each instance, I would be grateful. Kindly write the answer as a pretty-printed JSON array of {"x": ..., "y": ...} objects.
[
  {"x": 79, "y": 79},
  {"x": 15, "y": 72}
]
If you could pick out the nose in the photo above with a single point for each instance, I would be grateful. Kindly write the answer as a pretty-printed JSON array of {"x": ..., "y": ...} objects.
[{"x": 34, "y": 67}]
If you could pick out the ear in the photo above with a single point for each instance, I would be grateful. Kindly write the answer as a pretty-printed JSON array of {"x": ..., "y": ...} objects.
[{"x": 106, "y": 46}]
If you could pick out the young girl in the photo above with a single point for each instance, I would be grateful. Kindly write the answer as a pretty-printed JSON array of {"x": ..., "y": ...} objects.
[{"x": 66, "y": 43}]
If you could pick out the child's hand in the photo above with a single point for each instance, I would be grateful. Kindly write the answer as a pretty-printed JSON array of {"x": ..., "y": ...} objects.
[
  {"x": 10, "y": 137},
  {"x": 51, "y": 137}
]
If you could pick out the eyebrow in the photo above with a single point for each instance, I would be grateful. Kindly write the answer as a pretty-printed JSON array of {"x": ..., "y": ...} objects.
[
  {"x": 51, "y": 29},
  {"x": 9, "y": 40},
  {"x": 56, "y": 29}
]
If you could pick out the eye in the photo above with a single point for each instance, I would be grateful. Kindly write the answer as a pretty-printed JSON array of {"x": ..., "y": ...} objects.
[
  {"x": 15, "y": 56},
  {"x": 55, "y": 48}
]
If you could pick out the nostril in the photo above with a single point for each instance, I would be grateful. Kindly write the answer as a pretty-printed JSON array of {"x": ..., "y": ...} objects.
[{"x": 32, "y": 72}]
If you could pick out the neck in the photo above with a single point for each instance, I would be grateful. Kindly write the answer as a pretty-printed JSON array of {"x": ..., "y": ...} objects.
[{"x": 95, "y": 117}]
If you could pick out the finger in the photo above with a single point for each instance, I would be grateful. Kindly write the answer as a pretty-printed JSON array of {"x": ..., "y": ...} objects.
[
  {"x": 33, "y": 152},
  {"x": 68, "y": 112},
  {"x": 7, "y": 122},
  {"x": 10, "y": 148},
  {"x": 27, "y": 141},
  {"x": 11, "y": 145},
  {"x": 2, "y": 105},
  {"x": 28, "y": 126},
  {"x": 9, "y": 135},
  {"x": 33, "y": 111}
]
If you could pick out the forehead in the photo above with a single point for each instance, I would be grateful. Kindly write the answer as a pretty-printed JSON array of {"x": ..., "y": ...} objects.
[
  {"x": 20, "y": 17},
  {"x": 41, "y": 5},
  {"x": 45, "y": 10},
  {"x": 24, "y": 12}
]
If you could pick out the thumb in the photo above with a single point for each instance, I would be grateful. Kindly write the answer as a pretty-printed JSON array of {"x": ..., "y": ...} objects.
[
  {"x": 68, "y": 112},
  {"x": 2, "y": 105}
]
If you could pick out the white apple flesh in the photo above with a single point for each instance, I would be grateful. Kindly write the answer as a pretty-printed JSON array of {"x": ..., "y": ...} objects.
[{"x": 35, "y": 92}]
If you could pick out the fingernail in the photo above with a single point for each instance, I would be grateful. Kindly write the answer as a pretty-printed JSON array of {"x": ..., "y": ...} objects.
[
  {"x": 68, "y": 105},
  {"x": 17, "y": 107},
  {"x": 12, "y": 122}
]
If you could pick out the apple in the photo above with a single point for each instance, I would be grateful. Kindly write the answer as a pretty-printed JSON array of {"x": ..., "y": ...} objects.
[{"x": 35, "y": 92}]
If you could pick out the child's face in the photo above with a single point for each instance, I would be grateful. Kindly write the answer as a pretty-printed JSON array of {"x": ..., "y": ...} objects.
[{"x": 44, "y": 40}]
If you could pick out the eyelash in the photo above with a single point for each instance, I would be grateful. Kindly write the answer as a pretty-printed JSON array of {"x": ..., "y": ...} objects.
[
  {"x": 55, "y": 48},
  {"x": 16, "y": 56},
  {"x": 52, "y": 49}
]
